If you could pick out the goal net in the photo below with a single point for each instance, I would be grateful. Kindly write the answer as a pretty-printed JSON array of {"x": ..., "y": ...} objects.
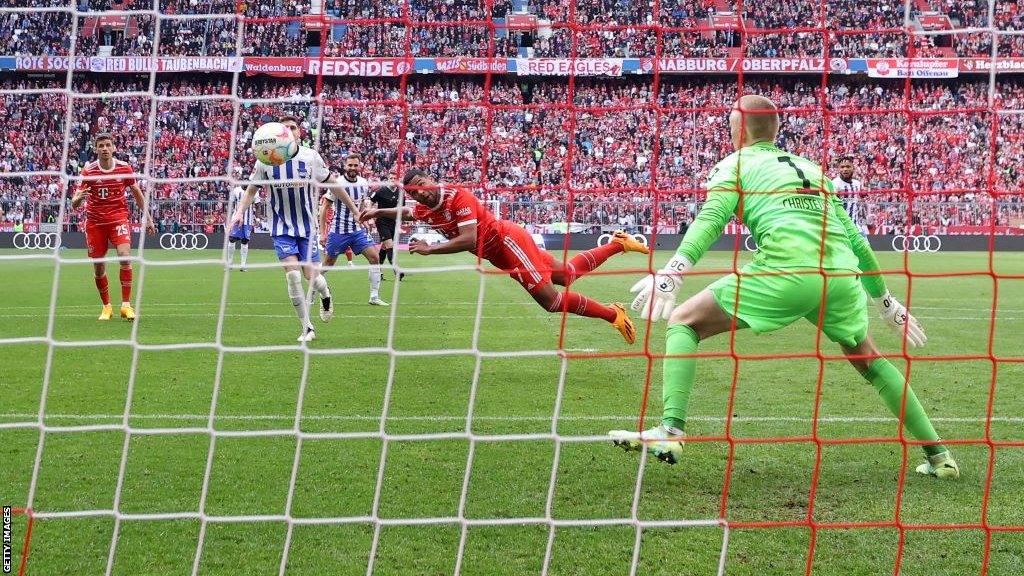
[{"x": 463, "y": 429}]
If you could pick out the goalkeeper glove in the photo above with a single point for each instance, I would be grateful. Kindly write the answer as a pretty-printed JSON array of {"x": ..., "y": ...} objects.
[
  {"x": 896, "y": 315},
  {"x": 657, "y": 292}
]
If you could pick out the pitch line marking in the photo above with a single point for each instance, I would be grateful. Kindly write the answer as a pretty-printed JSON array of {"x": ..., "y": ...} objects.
[
  {"x": 431, "y": 316},
  {"x": 447, "y": 418}
]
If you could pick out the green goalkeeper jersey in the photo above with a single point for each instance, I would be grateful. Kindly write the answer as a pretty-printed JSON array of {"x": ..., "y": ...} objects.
[{"x": 789, "y": 206}]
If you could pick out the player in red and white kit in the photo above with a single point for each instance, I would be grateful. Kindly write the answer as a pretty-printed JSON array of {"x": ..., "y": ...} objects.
[
  {"x": 470, "y": 227},
  {"x": 106, "y": 218}
]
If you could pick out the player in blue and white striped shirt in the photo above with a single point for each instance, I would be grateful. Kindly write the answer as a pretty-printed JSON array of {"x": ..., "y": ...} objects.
[
  {"x": 345, "y": 229},
  {"x": 294, "y": 223},
  {"x": 241, "y": 233},
  {"x": 849, "y": 190}
]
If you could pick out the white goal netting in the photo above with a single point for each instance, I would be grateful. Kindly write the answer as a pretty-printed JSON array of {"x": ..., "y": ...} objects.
[{"x": 83, "y": 96}]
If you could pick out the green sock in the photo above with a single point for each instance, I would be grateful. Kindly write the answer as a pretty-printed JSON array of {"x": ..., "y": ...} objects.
[
  {"x": 677, "y": 380},
  {"x": 889, "y": 383}
]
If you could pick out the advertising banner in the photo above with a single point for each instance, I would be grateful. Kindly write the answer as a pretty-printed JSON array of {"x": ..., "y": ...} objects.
[
  {"x": 379, "y": 67},
  {"x": 567, "y": 66},
  {"x": 281, "y": 67},
  {"x": 466, "y": 65},
  {"x": 131, "y": 63},
  {"x": 913, "y": 68},
  {"x": 732, "y": 65}
]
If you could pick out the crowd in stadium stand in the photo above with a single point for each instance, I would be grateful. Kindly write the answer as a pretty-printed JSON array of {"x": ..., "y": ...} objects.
[
  {"x": 617, "y": 150},
  {"x": 1008, "y": 15},
  {"x": 35, "y": 33},
  {"x": 459, "y": 28},
  {"x": 622, "y": 149}
]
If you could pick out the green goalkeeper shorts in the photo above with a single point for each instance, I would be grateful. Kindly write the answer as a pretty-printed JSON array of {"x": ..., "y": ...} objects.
[{"x": 773, "y": 298}]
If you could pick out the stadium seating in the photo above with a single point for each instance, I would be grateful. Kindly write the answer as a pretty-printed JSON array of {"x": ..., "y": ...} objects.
[{"x": 528, "y": 151}]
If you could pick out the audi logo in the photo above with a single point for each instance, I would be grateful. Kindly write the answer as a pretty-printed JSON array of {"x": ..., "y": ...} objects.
[
  {"x": 901, "y": 243},
  {"x": 36, "y": 240},
  {"x": 184, "y": 241},
  {"x": 606, "y": 238}
]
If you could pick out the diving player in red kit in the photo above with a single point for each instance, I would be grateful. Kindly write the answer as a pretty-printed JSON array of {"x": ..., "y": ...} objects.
[{"x": 470, "y": 227}]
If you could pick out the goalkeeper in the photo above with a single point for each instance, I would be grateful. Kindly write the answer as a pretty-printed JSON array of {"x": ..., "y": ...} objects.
[{"x": 803, "y": 236}]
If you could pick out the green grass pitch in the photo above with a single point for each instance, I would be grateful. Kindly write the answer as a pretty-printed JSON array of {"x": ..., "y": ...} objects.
[{"x": 423, "y": 478}]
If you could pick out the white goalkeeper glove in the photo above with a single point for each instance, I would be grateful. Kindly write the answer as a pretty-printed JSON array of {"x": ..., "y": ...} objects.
[
  {"x": 657, "y": 292},
  {"x": 896, "y": 315}
]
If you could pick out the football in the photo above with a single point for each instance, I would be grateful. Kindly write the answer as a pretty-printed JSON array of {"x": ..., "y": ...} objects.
[{"x": 273, "y": 144}]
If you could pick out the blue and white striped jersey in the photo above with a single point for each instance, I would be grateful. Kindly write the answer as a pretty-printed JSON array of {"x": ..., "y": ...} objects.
[
  {"x": 293, "y": 205},
  {"x": 849, "y": 193},
  {"x": 249, "y": 217},
  {"x": 344, "y": 222}
]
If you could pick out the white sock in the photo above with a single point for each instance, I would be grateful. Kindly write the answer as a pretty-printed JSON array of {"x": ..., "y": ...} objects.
[
  {"x": 231, "y": 253},
  {"x": 245, "y": 253},
  {"x": 294, "y": 280},
  {"x": 320, "y": 286},
  {"x": 374, "y": 280}
]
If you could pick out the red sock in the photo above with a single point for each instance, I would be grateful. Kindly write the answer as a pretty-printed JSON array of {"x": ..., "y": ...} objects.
[
  {"x": 126, "y": 284},
  {"x": 580, "y": 305},
  {"x": 586, "y": 261},
  {"x": 102, "y": 286}
]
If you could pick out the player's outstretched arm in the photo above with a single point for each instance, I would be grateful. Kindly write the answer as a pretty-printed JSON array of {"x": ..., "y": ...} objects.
[
  {"x": 889, "y": 308},
  {"x": 340, "y": 193},
  {"x": 392, "y": 213},
  {"x": 873, "y": 282},
  {"x": 656, "y": 293},
  {"x": 464, "y": 242}
]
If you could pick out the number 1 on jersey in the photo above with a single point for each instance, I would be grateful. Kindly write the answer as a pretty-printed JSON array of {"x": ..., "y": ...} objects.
[{"x": 806, "y": 188}]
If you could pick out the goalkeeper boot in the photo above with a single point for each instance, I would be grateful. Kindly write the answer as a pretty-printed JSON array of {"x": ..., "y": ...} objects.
[
  {"x": 106, "y": 313},
  {"x": 376, "y": 301},
  {"x": 629, "y": 243},
  {"x": 940, "y": 465},
  {"x": 308, "y": 335},
  {"x": 662, "y": 444},
  {"x": 623, "y": 323},
  {"x": 127, "y": 312}
]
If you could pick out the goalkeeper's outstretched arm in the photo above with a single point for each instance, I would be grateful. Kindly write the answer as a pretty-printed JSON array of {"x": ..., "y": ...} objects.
[
  {"x": 891, "y": 310},
  {"x": 873, "y": 282},
  {"x": 709, "y": 224},
  {"x": 657, "y": 292}
]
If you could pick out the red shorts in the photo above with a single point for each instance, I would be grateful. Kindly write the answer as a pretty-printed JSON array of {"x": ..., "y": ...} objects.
[
  {"x": 99, "y": 237},
  {"x": 517, "y": 254}
]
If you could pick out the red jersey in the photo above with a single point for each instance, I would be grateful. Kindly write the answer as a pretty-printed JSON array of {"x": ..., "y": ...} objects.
[
  {"x": 458, "y": 207},
  {"x": 106, "y": 202}
]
